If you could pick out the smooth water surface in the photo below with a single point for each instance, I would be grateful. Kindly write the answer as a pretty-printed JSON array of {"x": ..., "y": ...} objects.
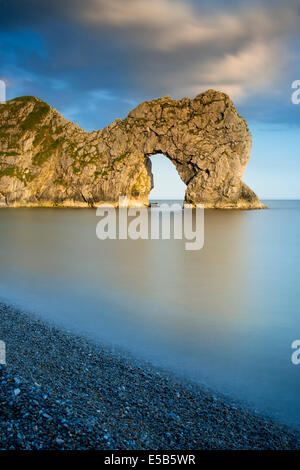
[{"x": 224, "y": 316}]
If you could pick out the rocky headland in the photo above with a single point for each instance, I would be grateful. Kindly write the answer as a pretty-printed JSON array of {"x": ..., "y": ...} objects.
[{"x": 46, "y": 160}]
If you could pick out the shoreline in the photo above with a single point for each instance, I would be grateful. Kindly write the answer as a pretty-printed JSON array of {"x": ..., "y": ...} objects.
[{"x": 64, "y": 391}]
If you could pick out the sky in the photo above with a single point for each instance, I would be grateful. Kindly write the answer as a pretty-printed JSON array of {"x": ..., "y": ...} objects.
[{"x": 94, "y": 60}]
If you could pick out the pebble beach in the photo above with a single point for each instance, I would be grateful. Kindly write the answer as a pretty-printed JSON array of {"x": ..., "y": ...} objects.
[{"x": 65, "y": 392}]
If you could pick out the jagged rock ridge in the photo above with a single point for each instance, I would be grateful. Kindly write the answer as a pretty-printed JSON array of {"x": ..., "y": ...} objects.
[{"x": 46, "y": 160}]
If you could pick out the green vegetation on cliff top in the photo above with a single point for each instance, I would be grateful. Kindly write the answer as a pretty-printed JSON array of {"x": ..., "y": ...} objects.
[{"x": 39, "y": 112}]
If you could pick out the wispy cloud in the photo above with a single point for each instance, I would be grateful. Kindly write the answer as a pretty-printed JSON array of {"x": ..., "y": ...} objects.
[
  {"x": 175, "y": 23},
  {"x": 252, "y": 69},
  {"x": 132, "y": 50},
  {"x": 240, "y": 50}
]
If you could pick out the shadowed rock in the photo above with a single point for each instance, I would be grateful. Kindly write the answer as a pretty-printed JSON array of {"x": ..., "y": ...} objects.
[{"x": 46, "y": 160}]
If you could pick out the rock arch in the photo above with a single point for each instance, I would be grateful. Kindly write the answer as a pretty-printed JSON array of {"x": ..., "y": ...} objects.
[
  {"x": 46, "y": 160},
  {"x": 204, "y": 137}
]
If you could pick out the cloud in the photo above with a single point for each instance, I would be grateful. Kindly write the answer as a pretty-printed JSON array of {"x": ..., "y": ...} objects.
[
  {"x": 253, "y": 68},
  {"x": 133, "y": 50},
  {"x": 176, "y": 23},
  {"x": 239, "y": 50}
]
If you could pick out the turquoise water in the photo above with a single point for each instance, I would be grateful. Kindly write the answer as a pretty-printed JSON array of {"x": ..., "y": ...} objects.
[{"x": 224, "y": 316}]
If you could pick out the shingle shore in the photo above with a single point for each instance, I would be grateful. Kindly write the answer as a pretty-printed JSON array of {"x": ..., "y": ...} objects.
[{"x": 61, "y": 391}]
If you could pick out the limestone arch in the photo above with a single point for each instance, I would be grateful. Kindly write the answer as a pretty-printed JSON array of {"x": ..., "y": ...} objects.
[
  {"x": 206, "y": 140},
  {"x": 48, "y": 160}
]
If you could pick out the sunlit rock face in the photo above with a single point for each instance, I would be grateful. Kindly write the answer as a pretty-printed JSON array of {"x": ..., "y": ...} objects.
[{"x": 46, "y": 160}]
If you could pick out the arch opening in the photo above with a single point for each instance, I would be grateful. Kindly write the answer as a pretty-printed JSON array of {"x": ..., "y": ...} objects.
[{"x": 167, "y": 184}]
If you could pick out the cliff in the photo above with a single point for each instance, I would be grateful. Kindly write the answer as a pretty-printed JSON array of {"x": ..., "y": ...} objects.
[{"x": 46, "y": 160}]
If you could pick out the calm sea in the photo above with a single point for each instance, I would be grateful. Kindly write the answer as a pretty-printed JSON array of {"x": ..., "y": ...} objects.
[{"x": 224, "y": 316}]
